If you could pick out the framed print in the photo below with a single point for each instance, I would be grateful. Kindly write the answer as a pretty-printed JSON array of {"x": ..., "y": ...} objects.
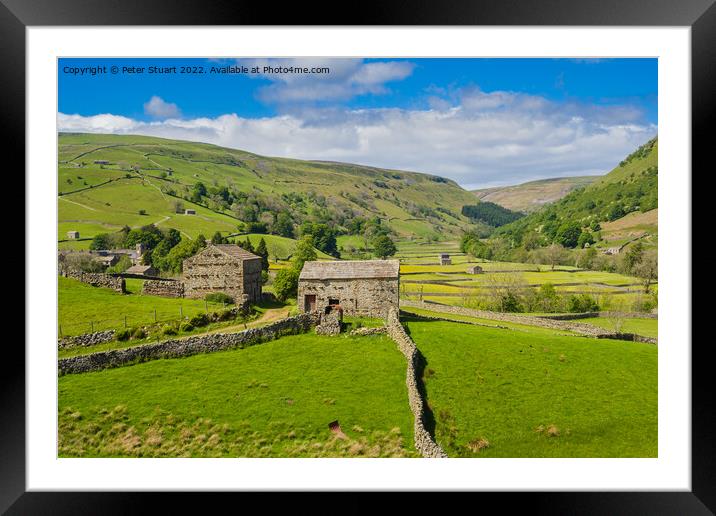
[{"x": 433, "y": 251}]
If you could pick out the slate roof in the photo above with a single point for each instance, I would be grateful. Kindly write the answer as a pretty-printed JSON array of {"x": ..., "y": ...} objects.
[
  {"x": 139, "y": 269},
  {"x": 351, "y": 269},
  {"x": 236, "y": 251}
]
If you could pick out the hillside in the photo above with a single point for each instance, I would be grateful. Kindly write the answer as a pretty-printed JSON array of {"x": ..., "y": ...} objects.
[
  {"x": 531, "y": 196},
  {"x": 628, "y": 190},
  {"x": 109, "y": 181}
]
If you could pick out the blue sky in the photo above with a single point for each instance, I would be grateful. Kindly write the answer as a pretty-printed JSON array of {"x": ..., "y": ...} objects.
[{"x": 482, "y": 122}]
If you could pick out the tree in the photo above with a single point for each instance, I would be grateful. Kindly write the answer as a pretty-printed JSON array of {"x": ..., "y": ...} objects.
[
  {"x": 100, "y": 241},
  {"x": 178, "y": 207},
  {"x": 554, "y": 254},
  {"x": 305, "y": 252},
  {"x": 262, "y": 251},
  {"x": 283, "y": 225},
  {"x": 568, "y": 234},
  {"x": 124, "y": 263},
  {"x": 632, "y": 257},
  {"x": 647, "y": 269},
  {"x": 585, "y": 238},
  {"x": 285, "y": 284},
  {"x": 218, "y": 239},
  {"x": 383, "y": 247},
  {"x": 247, "y": 245},
  {"x": 198, "y": 191},
  {"x": 324, "y": 237}
]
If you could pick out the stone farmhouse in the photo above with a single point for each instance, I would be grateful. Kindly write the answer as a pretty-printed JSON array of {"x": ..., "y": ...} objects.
[
  {"x": 360, "y": 287},
  {"x": 223, "y": 268}
]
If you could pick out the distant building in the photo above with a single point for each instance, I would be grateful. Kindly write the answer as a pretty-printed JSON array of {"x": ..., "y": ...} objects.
[
  {"x": 108, "y": 260},
  {"x": 142, "y": 270},
  {"x": 475, "y": 269},
  {"x": 445, "y": 259},
  {"x": 189, "y": 211},
  {"x": 613, "y": 250},
  {"x": 73, "y": 235},
  {"x": 223, "y": 268},
  {"x": 359, "y": 287},
  {"x": 101, "y": 162}
]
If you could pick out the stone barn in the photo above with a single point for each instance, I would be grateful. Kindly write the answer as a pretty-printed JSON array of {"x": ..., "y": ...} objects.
[
  {"x": 360, "y": 287},
  {"x": 474, "y": 269},
  {"x": 445, "y": 259},
  {"x": 73, "y": 235},
  {"x": 142, "y": 270},
  {"x": 223, "y": 268}
]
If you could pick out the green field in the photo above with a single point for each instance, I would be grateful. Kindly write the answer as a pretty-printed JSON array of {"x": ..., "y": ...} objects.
[
  {"x": 645, "y": 327},
  {"x": 83, "y": 308},
  {"x": 503, "y": 393},
  {"x": 271, "y": 400}
]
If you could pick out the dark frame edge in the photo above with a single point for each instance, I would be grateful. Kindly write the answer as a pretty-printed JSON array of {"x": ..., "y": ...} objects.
[
  {"x": 701, "y": 500},
  {"x": 703, "y": 107},
  {"x": 12, "y": 395}
]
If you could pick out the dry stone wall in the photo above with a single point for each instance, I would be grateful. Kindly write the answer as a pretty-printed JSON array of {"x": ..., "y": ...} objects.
[
  {"x": 362, "y": 332},
  {"x": 587, "y": 315},
  {"x": 97, "y": 279},
  {"x": 424, "y": 442},
  {"x": 86, "y": 339},
  {"x": 186, "y": 347},
  {"x": 164, "y": 288},
  {"x": 582, "y": 329}
]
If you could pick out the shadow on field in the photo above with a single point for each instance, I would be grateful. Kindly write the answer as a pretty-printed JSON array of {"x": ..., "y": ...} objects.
[{"x": 420, "y": 366}]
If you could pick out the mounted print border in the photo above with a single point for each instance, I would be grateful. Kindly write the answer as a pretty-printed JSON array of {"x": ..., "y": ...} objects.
[{"x": 16, "y": 16}]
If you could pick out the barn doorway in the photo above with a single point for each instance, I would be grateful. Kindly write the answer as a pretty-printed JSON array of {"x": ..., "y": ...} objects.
[{"x": 309, "y": 303}]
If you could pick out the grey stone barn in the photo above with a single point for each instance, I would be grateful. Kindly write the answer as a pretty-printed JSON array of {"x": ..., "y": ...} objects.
[
  {"x": 223, "y": 268},
  {"x": 360, "y": 287}
]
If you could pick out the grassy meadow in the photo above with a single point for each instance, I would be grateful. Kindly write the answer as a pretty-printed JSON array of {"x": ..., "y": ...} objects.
[
  {"x": 82, "y": 308},
  {"x": 503, "y": 393},
  {"x": 271, "y": 400}
]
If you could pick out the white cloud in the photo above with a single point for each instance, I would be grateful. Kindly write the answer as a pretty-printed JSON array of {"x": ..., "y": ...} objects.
[
  {"x": 484, "y": 139},
  {"x": 346, "y": 78},
  {"x": 156, "y": 107}
]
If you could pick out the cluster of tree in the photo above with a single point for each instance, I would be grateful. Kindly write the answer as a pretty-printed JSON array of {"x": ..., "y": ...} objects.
[
  {"x": 163, "y": 249},
  {"x": 285, "y": 283},
  {"x": 574, "y": 220},
  {"x": 490, "y": 213},
  {"x": 509, "y": 292},
  {"x": 323, "y": 237}
]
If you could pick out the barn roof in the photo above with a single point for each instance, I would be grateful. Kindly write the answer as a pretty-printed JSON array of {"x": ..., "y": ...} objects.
[
  {"x": 139, "y": 269},
  {"x": 353, "y": 269},
  {"x": 235, "y": 251}
]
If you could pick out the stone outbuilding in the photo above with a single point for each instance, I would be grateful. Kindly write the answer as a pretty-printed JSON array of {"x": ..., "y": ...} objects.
[
  {"x": 360, "y": 287},
  {"x": 475, "y": 269},
  {"x": 73, "y": 235},
  {"x": 223, "y": 268},
  {"x": 189, "y": 211},
  {"x": 445, "y": 259},
  {"x": 142, "y": 270}
]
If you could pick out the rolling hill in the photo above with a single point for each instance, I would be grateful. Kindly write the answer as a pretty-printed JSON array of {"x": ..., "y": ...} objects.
[
  {"x": 531, "y": 196},
  {"x": 108, "y": 181},
  {"x": 628, "y": 194}
]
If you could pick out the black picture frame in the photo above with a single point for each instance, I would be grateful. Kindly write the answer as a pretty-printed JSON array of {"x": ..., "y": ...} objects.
[{"x": 17, "y": 15}]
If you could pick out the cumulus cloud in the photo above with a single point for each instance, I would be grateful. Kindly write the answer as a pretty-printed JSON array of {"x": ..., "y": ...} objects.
[
  {"x": 344, "y": 79},
  {"x": 480, "y": 139},
  {"x": 157, "y": 107}
]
